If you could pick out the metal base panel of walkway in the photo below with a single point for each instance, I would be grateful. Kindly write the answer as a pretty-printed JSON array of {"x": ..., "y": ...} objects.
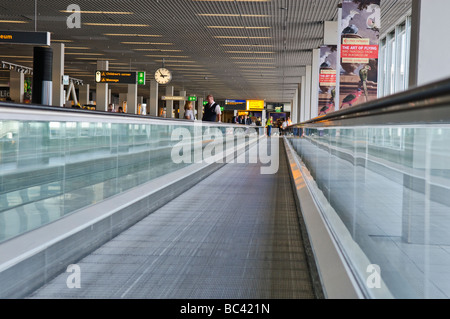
[{"x": 233, "y": 235}]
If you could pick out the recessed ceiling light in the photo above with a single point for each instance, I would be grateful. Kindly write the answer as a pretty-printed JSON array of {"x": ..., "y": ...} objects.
[
  {"x": 239, "y": 37},
  {"x": 153, "y": 43},
  {"x": 132, "y": 35},
  {"x": 250, "y": 52},
  {"x": 117, "y": 24},
  {"x": 233, "y": 27},
  {"x": 97, "y": 12},
  {"x": 247, "y": 45},
  {"x": 233, "y": 15}
]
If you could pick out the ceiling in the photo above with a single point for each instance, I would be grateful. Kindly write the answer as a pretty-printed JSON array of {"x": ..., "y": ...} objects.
[{"x": 235, "y": 49}]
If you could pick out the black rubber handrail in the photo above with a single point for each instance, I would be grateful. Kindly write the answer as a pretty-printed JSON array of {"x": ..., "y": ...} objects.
[
  {"x": 430, "y": 91},
  {"x": 96, "y": 112}
]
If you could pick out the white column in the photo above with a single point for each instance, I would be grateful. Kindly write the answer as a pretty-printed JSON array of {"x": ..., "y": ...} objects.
[
  {"x": 57, "y": 74},
  {"x": 315, "y": 83},
  {"x": 153, "y": 100},
  {"x": 102, "y": 89},
  {"x": 429, "y": 37},
  {"x": 16, "y": 86},
  {"x": 84, "y": 94},
  {"x": 294, "y": 110},
  {"x": 302, "y": 100},
  {"x": 122, "y": 98},
  {"x": 169, "y": 104},
  {"x": 182, "y": 104},
  {"x": 132, "y": 99},
  {"x": 199, "y": 108},
  {"x": 308, "y": 93}
]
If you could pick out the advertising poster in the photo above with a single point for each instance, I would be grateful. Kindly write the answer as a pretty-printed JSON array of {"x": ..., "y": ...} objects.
[
  {"x": 327, "y": 79},
  {"x": 360, "y": 29}
]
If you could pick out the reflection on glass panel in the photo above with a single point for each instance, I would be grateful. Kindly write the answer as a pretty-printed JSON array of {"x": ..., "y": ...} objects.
[
  {"x": 50, "y": 169},
  {"x": 389, "y": 188}
]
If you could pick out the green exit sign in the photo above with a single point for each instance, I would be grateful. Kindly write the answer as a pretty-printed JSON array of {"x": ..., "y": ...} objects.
[
  {"x": 192, "y": 98},
  {"x": 141, "y": 78}
]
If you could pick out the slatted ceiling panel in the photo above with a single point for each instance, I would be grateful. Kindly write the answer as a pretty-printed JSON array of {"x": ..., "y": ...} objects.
[{"x": 178, "y": 22}]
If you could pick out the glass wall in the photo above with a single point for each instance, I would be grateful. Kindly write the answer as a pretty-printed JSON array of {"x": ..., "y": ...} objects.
[
  {"x": 394, "y": 59},
  {"x": 385, "y": 193},
  {"x": 49, "y": 169}
]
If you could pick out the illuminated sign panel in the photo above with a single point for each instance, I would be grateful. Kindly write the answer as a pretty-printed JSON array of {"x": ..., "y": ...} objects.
[
  {"x": 255, "y": 105},
  {"x": 23, "y": 37},
  {"x": 232, "y": 105},
  {"x": 115, "y": 77}
]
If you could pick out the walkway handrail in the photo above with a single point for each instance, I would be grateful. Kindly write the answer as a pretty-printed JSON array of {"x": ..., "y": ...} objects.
[{"x": 435, "y": 94}]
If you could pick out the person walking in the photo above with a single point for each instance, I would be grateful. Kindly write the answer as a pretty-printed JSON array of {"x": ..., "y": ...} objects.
[
  {"x": 188, "y": 112},
  {"x": 269, "y": 124}
]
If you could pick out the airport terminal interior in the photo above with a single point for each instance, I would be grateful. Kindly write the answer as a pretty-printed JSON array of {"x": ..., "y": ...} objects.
[{"x": 224, "y": 150}]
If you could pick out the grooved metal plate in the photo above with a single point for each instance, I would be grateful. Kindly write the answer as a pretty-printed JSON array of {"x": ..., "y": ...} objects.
[{"x": 233, "y": 235}]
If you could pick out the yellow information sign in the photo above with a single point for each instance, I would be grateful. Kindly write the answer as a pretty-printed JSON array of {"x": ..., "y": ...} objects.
[{"x": 255, "y": 105}]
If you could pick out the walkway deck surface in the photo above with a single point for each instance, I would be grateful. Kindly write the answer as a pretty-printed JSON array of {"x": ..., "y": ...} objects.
[{"x": 234, "y": 235}]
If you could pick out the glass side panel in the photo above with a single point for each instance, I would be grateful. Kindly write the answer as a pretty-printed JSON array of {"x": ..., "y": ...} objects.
[
  {"x": 390, "y": 188},
  {"x": 50, "y": 169}
]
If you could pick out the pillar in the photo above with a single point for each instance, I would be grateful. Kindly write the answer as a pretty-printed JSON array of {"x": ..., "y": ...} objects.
[
  {"x": 315, "y": 83},
  {"x": 182, "y": 104},
  {"x": 83, "y": 92},
  {"x": 102, "y": 92},
  {"x": 302, "y": 99},
  {"x": 42, "y": 75},
  {"x": 153, "y": 100},
  {"x": 57, "y": 74},
  {"x": 307, "y": 101},
  {"x": 16, "y": 86},
  {"x": 169, "y": 104},
  {"x": 427, "y": 38},
  {"x": 199, "y": 108},
  {"x": 132, "y": 99}
]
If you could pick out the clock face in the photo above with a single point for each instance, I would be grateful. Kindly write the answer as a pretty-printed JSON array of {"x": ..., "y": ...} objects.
[{"x": 163, "y": 76}]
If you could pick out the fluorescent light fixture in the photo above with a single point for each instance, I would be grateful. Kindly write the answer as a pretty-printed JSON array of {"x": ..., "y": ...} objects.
[
  {"x": 175, "y": 61},
  {"x": 256, "y": 67},
  {"x": 233, "y": 15},
  {"x": 250, "y": 58},
  {"x": 12, "y": 21},
  {"x": 250, "y": 52},
  {"x": 158, "y": 50},
  {"x": 233, "y": 27},
  {"x": 247, "y": 45},
  {"x": 77, "y": 48},
  {"x": 116, "y": 24},
  {"x": 234, "y": 0},
  {"x": 97, "y": 12},
  {"x": 132, "y": 35},
  {"x": 186, "y": 65},
  {"x": 145, "y": 43},
  {"x": 53, "y": 40},
  {"x": 254, "y": 63},
  {"x": 82, "y": 53},
  {"x": 167, "y": 56},
  {"x": 238, "y": 37}
]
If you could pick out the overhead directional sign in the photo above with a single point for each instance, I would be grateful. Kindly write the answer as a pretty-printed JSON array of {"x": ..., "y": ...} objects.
[
  {"x": 141, "y": 78},
  {"x": 255, "y": 105},
  {"x": 115, "y": 77},
  {"x": 231, "y": 105},
  {"x": 192, "y": 98},
  {"x": 24, "y": 37},
  {"x": 173, "y": 98}
]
